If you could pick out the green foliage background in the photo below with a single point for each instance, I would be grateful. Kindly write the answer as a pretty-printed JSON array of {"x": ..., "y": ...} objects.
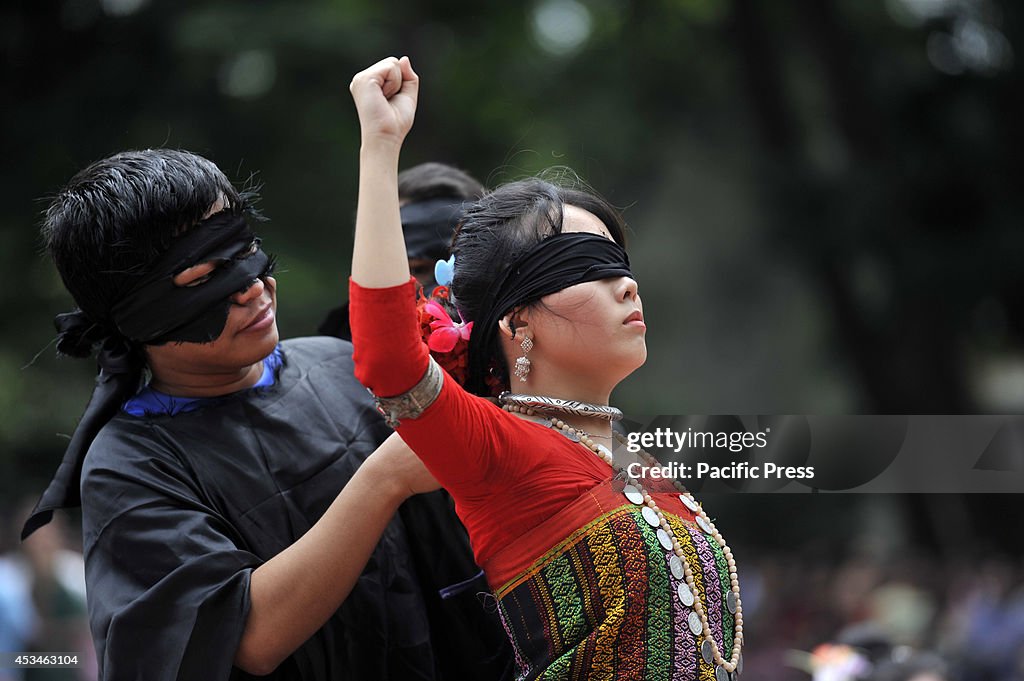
[{"x": 820, "y": 191}]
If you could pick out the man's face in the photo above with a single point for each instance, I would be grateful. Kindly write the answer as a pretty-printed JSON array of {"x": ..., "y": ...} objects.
[{"x": 249, "y": 335}]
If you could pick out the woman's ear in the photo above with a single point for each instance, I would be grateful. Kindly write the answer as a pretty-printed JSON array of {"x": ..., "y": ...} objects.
[{"x": 515, "y": 324}]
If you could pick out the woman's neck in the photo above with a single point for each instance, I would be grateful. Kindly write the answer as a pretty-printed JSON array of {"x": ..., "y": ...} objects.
[
  {"x": 595, "y": 427},
  {"x": 576, "y": 387}
]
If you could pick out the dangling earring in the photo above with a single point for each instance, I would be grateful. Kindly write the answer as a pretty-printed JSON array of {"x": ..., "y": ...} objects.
[{"x": 523, "y": 364}]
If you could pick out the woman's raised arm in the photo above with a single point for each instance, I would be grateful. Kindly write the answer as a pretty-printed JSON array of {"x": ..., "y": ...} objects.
[{"x": 385, "y": 96}]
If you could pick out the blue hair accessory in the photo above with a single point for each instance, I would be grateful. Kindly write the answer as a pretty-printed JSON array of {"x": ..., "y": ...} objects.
[{"x": 444, "y": 271}]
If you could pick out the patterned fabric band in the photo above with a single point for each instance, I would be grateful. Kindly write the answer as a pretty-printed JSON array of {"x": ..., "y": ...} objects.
[
  {"x": 603, "y": 604},
  {"x": 413, "y": 402}
]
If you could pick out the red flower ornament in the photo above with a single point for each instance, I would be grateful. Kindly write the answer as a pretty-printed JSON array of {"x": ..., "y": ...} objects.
[{"x": 445, "y": 333}]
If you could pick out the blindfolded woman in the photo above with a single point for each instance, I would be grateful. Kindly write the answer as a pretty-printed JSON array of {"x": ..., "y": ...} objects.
[{"x": 596, "y": 575}]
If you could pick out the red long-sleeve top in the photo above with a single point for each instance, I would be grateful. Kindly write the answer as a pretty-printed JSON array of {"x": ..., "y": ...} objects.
[{"x": 507, "y": 475}]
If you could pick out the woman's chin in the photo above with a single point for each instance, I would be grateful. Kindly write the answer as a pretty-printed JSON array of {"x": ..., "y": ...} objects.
[
  {"x": 628, "y": 369},
  {"x": 639, "y": 358}
]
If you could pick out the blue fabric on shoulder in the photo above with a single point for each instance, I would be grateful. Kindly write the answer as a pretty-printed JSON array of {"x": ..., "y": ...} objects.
[{"x": 150, "y": 402}]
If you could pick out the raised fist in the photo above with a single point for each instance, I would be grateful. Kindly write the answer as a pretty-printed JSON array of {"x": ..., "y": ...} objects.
[{"x": 385, "y": 97}]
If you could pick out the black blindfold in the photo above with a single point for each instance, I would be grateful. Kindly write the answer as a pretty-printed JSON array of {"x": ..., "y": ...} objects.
[
  {"x": 428, "y": 227},
  {"x": 157, "y": 310},
  {"x": 554, "y": 264}
]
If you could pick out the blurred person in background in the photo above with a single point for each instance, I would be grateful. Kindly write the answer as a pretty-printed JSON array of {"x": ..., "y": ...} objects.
[
  {"x": 42, "y": 593},
  {"x": 431, "y": 196},
  {"x": 865, "y": 652},
  {"x": 17, "y": 614},
  {"x": 56, "y": 572},
  {"x": 914, "y": 666},
  {"x": 984, "y": 622}
]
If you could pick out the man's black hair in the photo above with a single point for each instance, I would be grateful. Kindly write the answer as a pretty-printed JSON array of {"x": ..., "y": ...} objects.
[
  {"x": 117, "y": 215},
  {"x": 437, "y": 180}
]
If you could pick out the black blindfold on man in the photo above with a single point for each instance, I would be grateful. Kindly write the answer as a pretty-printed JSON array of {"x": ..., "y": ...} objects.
[
  {"x": 158, "y": 311},
  {"x": 428, "y": 227}
]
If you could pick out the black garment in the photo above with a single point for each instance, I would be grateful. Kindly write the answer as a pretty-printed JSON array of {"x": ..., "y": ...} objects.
[
  {"x": 177, "y": 511},
  {"x": 336, "y": 323}
]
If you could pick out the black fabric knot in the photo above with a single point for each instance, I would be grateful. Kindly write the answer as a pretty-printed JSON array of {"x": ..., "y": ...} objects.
[
  {"x": 120, "y": 369},
  {"x": 117, "y": 356},
  {"x": 78, "y": 334}
]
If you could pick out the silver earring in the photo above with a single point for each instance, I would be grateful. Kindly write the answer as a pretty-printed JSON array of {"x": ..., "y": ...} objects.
[{"x": 523, "y": 364}]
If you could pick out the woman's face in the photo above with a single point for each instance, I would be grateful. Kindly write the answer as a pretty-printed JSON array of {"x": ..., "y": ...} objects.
[{"x": 593, "y": 327}]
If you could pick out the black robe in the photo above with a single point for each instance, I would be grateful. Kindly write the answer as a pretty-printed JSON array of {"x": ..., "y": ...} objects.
[{"x": 178, "y": 511}]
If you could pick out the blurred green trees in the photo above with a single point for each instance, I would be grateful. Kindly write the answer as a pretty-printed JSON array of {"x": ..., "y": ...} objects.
[{"x": 821, "y": 191}]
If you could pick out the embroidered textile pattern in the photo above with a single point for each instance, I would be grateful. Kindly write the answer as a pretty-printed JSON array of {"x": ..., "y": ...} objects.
[
  {"x": 724, "y": 620},
  {"x": 685, "y": 656},
  {"x": 659, "y": 623},
  {"x": 705, "y": 671},
  {"x": 568, "y": 602},
  {"x": 610, "y": 593},
  {"x": 728, "y": 621},
  {"x": 633, "y": 556},
  {"x": 710, "y": 583},
  {"x": 601, "y": 604}
]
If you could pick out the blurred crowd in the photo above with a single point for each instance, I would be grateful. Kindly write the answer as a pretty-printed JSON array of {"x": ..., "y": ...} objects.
[
  {"x": 42, "y": 598},
  {"x": 913, "y": 618}
]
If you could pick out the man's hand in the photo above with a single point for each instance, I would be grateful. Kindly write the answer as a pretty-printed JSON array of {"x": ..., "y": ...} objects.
[{"x": 385, "y": 96}]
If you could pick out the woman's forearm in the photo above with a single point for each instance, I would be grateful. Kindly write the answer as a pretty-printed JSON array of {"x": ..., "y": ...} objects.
[
  {"x": 385, "y": 96},
  {"x": 378, "y": 255}
]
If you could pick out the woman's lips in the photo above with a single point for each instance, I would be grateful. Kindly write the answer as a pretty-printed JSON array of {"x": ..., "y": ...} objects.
[{"x": 636, "y": 319}]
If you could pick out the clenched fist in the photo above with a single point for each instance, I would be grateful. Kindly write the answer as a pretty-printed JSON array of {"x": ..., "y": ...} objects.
[{"x": 385, "y": 97}]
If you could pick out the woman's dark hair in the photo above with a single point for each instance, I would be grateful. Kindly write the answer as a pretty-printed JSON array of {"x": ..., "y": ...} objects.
[
  {"x": 117, "y": 215},
  {"x": 507, "y": 222}
]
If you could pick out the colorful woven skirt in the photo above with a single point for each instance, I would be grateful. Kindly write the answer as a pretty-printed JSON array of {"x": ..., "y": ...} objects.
[{"x": 602, "y": 602}]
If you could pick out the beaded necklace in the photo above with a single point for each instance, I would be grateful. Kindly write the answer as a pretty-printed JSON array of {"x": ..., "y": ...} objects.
[{"x": 725, "y": 670}]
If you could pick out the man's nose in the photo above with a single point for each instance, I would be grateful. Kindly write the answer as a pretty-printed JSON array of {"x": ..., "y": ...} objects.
[{"x": 253, "y": 290}]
